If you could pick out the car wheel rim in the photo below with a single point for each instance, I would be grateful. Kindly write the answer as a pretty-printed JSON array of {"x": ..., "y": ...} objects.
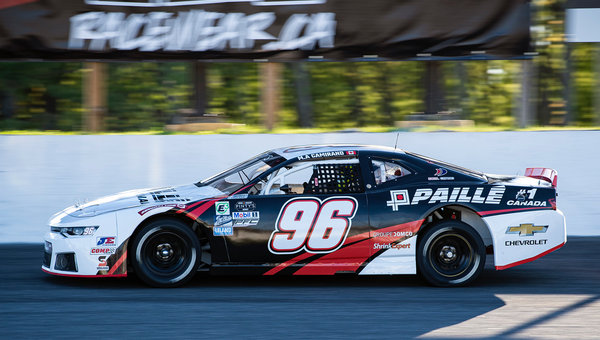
[
  {"x": 450, "y": 255},
  {"x": 166, "y": 253}
]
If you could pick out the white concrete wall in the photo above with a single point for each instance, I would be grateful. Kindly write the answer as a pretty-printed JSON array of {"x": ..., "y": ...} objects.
[{"x": 40, "y": 175}]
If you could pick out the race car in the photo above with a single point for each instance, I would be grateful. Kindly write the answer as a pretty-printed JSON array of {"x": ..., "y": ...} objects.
[{"x": 315, "y": 210}]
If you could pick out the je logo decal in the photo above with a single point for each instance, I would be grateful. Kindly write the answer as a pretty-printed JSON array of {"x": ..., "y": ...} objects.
[
  {"x": 222, "y": 208},
  {"x": 105, "y": 241},
  {"x": 399, "y": 197}
]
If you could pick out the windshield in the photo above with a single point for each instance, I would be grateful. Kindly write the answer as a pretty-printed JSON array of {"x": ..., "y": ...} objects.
[
  {"x": 449, "y": 166},
  {"x": 236, "y": 177}
]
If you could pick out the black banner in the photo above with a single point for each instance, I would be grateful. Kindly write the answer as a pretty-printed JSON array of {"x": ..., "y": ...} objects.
[{"x": 278, "y": 30}]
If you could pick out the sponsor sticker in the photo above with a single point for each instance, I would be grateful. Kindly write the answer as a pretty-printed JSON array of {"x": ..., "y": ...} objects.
[
  {"x": 440, "y": 172},
  {"x": 222, "y": 208},
  {"x": 245, "y": 218},
  {"x": 223, "y": 221},
  {"x": 223, "y": 231},
  {"x": 527, "y": 229},
  {"x": 379, "y": 246},
  {"x": 245, "y": 206},
  {"x": 399, "y": 197},
  {"x": 98, "y": 251},
  {"x": 524, "y": 194},
  {"x": 439, "y": 175},
  {"x": 102, "y": 264},
  {"x": 443, "y": 195},
  {"x": 246, "y": 214},
  {"x": 106, "y": 241}
]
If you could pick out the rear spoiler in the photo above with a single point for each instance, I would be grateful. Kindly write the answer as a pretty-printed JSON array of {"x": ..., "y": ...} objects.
[{"x": 548, "y": 175}]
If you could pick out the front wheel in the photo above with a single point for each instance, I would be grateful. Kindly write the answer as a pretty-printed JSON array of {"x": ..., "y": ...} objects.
[
  {"x": 166, "y": 253},
  {"x": 450, "y": 253}
]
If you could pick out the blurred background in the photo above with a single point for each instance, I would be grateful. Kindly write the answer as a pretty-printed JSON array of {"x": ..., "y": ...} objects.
[
  {"x": 554, "y": 83},
  {"x": 83, "y": 113}
]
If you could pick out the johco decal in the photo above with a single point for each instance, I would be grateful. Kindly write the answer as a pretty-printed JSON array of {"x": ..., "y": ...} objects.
[
  {"x": 394, "y": 234},
  {"x": 443, "y": 195}
]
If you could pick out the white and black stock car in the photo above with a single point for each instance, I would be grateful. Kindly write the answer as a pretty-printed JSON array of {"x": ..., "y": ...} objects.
[{"x": 315, "y": 210}]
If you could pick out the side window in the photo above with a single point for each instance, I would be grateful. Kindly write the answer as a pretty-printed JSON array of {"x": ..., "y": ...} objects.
[
  {"x": 320, "y": 177},
  {"x": 385, "y": 171}
]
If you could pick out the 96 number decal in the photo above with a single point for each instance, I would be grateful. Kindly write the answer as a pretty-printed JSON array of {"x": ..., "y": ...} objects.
[{"x": 312, "y": 225}]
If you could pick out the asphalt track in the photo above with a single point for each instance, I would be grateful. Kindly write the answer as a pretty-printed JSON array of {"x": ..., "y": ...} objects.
[{"x": 557, "y": 296}]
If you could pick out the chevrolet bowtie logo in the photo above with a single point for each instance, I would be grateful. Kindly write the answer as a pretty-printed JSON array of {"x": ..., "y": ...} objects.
[{"x": 526, "y": 229}]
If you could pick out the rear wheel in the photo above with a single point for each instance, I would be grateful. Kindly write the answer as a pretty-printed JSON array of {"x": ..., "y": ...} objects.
[
  {"x": 450, "y": 253},
  {"x": 166, "y": 253}
]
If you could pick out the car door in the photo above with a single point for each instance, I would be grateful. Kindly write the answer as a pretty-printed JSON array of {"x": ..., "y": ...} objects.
[
  {"x": 303, "y": 217},
  {"x": 394, "y": 221}
]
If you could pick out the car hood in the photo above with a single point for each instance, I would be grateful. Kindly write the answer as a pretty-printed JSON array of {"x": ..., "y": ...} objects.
[{"x": 142, "y": 197}]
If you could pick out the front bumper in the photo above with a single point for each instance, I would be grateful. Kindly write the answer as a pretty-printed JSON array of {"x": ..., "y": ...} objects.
[{"x": 80, "y": 257}]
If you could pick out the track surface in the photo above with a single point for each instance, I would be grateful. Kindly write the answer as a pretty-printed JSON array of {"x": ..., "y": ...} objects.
[{"x": 557, "y": 296}]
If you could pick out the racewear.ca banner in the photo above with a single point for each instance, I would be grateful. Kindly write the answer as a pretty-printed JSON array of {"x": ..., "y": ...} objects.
[{"x": 262, "y": 29}]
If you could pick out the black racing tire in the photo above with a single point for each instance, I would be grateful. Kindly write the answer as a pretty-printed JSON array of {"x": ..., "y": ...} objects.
[
  {"x": 450, "y": 254},
  {"x": 166, "y": 253}
]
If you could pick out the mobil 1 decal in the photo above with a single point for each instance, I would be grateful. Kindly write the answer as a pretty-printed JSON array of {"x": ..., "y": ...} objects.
[
  {"x": 486, "y": 195},
  {"x": 311, "y": 225}
]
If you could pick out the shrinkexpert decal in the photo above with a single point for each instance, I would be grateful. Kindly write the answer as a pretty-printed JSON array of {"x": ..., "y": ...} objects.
[{"x": 444, "y": 195}]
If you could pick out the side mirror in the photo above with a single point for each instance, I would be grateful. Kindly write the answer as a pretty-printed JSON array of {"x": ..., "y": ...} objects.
[{"x": 285, "y": 188}]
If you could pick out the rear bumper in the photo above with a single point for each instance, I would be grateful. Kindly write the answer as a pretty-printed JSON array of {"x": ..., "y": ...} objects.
[{"x": 525, "y": 236}]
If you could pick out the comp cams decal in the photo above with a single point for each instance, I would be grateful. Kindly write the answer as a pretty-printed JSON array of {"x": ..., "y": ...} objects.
[
  {"x": 312, "y": 225},
  {"x": 443, "y": 195}
]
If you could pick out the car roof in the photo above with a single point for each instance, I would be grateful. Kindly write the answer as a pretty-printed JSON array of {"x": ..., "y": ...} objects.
[{"x": 301, "y": 150}]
